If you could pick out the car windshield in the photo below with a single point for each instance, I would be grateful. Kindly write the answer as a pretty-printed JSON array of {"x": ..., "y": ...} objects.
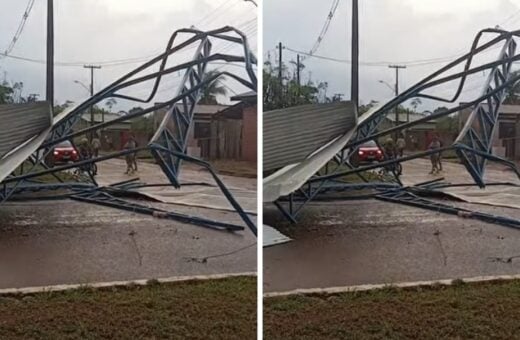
[
  {"x": 369, "y": 144},
  {"x": 64, "y": 144}
]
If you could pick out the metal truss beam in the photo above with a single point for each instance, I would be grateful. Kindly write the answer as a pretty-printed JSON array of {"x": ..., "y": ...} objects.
[
  {"x": 169, "y": 143},
  {"x": 473, "y": 145}
]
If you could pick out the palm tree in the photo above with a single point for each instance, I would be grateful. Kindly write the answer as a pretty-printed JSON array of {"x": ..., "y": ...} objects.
[
  {"x": 415, "y": 103},
  {"x": 513, "y": 91},
  {"x": 110, "y": 103},
  {"x": 214, "y": 88}
]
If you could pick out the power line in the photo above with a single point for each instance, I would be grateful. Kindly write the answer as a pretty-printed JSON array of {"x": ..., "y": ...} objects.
[
  {"x": 325, "y": 27},
  {"x": 248, "y": 26},
  {"x": 509, "y": 18},
  {"x": 20, "y": 28},
  {"x": 410, "y": 63},
  {"x": 207, "y": 16},
  {"x": 225, "y": 12}
]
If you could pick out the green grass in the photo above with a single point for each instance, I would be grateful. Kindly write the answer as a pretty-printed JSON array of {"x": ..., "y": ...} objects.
[
  {"x": 216, "y": 309},
  {"x": 461, "y": 311}
]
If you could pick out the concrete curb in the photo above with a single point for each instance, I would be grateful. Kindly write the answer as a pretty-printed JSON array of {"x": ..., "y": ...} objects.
[
  {"x": 368, "y": 287},
  {"x": 58, "y": 288}
]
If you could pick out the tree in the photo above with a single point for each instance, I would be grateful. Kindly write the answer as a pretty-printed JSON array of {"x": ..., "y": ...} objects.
[
  {"x": 447, "y": 123},
  {"x": 415, "y": 103},
  {"x": 13, "y": 94},
  {"x": 60, "y": 108},
  {"x": 110, "y": 103},
  {"x": 6, "y": 93},
  {"x": 365, "y": 108},
  {"x": 513, "y": 91},
  {"x": 440, "y": 109},
  {"x": 214, "y": 88},
  {"x": 287, "y": 93},
  {"x": 337, "y": 97},
  {"x": 33, "y": 97},
  {"x": 135, "y": 110}
]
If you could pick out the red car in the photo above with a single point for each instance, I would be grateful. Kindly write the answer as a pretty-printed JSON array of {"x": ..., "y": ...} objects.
[
  {"x": 368, "y": 152},
  {"x": 64, "y": 152}
]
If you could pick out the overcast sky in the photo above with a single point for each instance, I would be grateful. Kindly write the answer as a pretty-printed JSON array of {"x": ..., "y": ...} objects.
[
  {"x": 396, "y": 31},
  {"x": 103, "y": 30}
]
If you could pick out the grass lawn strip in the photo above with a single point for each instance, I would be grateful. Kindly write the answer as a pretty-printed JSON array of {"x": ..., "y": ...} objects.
[
  {"x": 460, "y": 311},
  {"x": 212, "y": 309}
]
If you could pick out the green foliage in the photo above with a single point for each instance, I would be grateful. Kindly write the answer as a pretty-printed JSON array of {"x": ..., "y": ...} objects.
[
  {"x": 143, "y": 124},
  {"x": 6, "y": 93},
  {"x": 367, "y": 107},
  {"x": 288, "y": 93},
  {"x": 214, "y": 88},
  {"x": 62, "y": 107},
  {"x": 513, "y": 92},
  {"x": 110, "y": 103},
  {"x": 135, "y": 110},
  {"x": 13, "y": 94}
]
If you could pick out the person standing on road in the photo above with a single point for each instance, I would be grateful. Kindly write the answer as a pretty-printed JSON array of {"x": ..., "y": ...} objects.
[
  {"x": 96, "y": 145},
  {"x": 414, "y": 142},
  {"x": 130, "y": 157},
  {"x": 389, "y": 148},
  {"x": 401, "y": 144},
  {"x": 434, "y": 157},
  {"x": 439, "y": 159},
  {"x": 135, "y": 154},
  {"x": 109, "y": 142}
]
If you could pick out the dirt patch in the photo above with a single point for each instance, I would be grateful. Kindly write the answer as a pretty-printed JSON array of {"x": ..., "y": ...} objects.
[
  {"x": 217, "y": 309},
  {"x": 460, "y": 311}
]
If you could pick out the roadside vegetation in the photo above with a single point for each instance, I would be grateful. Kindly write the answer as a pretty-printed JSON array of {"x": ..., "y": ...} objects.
[
  {"x": 215, "y": 309},
  {"x": 461, "y": 311}
]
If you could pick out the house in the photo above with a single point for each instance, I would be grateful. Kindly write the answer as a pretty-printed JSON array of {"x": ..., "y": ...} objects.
[
  {"x": 234, "y": 131},
  {"x": 506, "y": 140},
  {"x": 116, "y": 133},
  {"x": 199, "y": 132},
  {"x": 422, "y": 132}
]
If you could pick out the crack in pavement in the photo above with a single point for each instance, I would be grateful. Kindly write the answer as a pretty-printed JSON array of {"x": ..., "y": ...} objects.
[
  {"x": 437, "y": 234},
  {"x": 134, "y": 241}
]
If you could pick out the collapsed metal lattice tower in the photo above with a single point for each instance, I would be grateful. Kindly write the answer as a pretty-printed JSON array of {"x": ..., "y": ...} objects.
[
  {"x": 473, "y": 144},
  {"x": 169, "y": 143}
]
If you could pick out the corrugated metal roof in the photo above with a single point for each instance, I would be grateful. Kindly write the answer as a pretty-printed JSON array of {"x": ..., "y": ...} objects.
[
  {"x": 21, "y": 122},
  {"x": 292, "y": 134}
]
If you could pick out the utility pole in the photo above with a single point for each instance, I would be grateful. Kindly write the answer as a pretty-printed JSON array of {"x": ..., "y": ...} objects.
[
  {"x": 298, "y": 65},
  {"x": 49, "y": 94},
  {"x": 354, "y": 86},
  {"x": 280, "y": 73},
  {"x": 92, "y": 122},
  {"x": 397, "y": 67}
]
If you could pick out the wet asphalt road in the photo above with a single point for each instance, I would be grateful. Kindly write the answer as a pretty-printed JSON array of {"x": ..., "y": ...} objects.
[
  {"x": 372, "y": 242},
  {"x": 67, "y": 242}
]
